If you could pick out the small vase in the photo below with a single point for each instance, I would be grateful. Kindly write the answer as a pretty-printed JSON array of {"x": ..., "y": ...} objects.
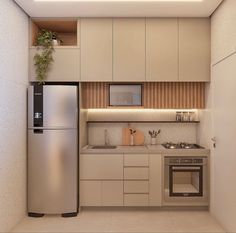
[
  {"x": 153, "y": 141},
  {"x": 131, "y": 140}
]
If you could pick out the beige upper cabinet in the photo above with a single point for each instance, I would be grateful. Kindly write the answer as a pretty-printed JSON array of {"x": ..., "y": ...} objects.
[
  {"x": 194, "y": 49},
  {"x": 162, "y": 49},
  {"x": 96, "y": 49},
  {"x": 129, "y": 49},
  {"x": 65, "y": 68}
]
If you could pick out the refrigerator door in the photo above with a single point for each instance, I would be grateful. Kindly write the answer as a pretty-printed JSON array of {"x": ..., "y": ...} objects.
[
  {"x": 60, "y": 106},
  {"x": 52, "y": 171}
]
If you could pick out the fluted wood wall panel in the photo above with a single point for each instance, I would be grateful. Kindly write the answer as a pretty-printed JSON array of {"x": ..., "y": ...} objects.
[{"x": 158, "y": 95}]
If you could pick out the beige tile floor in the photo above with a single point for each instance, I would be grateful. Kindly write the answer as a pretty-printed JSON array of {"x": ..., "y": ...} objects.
[{"x": 131, "y": 220}]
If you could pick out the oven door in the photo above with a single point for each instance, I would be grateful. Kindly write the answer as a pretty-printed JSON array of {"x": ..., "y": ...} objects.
[{"x": 185, "y": 181}]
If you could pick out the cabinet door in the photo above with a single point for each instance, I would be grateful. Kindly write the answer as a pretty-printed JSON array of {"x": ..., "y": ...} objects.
[
  {"x": 136, "y": 199},
  {"x": 96, "y": 49},
  {"x": 129, "y": 49},
  {"x": 162, "y": 49},
  {"x": 101, "y": 167},
  {"x": 90, "y": 193},
  {"x": 155, "y": 180},
  {"x": 194, "y": 49},
  {"x": 66, "y": 65},
  {"x": 112, "y": 193}
]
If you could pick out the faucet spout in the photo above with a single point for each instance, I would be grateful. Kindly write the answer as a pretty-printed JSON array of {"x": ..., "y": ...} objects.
[{"x": 106, "y": 137}]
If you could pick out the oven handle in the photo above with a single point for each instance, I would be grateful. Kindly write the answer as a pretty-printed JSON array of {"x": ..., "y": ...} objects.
[{"x": 186, "y": 168}]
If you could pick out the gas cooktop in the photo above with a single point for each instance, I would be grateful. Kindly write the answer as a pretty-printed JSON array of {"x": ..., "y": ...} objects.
[{"x": 181, "y": 145}]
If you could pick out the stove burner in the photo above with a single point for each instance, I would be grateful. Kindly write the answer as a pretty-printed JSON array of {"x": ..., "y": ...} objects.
[{"x": 181, "y": 145}]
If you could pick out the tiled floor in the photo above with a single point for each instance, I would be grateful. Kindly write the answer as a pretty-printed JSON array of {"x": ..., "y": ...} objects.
[{"x": 98, "y": 220}]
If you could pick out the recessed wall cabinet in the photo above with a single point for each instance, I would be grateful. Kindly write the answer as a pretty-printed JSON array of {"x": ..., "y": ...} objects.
[
  {"x": 194, "y": 49},
  {"x": 66, "y": 65},
  {"x": 128, "y": 49},
  {"x": 96, "y": 49},
  {"x": 162, "y": 49}
]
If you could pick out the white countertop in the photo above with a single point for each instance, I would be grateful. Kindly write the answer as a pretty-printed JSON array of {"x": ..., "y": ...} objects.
[{"x": 148, "y": 149}]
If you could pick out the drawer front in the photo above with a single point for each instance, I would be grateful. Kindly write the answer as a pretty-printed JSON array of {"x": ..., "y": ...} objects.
[
  {"x": 136, "y": 173},
  {"x": 101, "y": 167},
  {"x": 136, "y": 200},
  {"x": 136, "y": 160},
  {"x": 136, "y": 187}
]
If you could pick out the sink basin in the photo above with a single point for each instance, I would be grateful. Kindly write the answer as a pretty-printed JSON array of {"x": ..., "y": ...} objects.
[{"x": 103, "y": 147}]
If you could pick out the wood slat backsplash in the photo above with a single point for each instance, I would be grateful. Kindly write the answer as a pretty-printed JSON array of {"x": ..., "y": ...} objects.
[{"x": 158, "y": 95}]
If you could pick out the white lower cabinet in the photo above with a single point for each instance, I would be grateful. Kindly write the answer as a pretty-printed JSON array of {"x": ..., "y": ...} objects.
[
  {"x": 136, "y": 186},
  {"x": 155, "y": 180},
  {"x": 90, "y": 193},
  {"x": 136, "y": 199},
  {"x": 101, "y": 193},
  {"x": 110, "y": 180},
  {"x": 112, "y": 193}
]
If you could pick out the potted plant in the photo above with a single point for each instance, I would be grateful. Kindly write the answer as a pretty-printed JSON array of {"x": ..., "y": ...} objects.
[
  {"x": 44, "y": 58},
  {"x": 154, "y": 135}
]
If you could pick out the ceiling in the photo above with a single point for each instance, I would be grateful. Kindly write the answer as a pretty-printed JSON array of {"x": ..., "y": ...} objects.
[{"x": 119, "y": 8}]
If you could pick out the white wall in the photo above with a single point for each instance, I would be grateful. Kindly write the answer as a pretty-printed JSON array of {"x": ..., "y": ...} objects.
[
  {"x": 223, "y": 188},
  {"x": 13, "y": 83}
]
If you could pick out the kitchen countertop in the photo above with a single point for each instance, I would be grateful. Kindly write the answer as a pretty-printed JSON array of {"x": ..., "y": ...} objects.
[{"x": 148, "y": 149}]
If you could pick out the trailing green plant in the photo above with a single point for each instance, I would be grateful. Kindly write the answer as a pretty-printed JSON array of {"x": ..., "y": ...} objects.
[{"x": 44, "y": 58}]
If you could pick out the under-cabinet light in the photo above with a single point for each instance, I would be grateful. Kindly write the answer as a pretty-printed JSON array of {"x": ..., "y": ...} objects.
[{"x": 119, "y": 1}]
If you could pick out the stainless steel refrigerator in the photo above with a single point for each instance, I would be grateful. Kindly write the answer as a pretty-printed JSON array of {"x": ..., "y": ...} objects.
[{"x": 52, "y": 150}]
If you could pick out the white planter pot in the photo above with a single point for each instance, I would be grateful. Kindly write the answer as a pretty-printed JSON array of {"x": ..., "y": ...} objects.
[{"x": 153, "y": 141}]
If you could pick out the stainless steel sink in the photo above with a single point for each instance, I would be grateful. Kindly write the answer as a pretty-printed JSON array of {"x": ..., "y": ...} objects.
[{"x": 103, "y": 147}]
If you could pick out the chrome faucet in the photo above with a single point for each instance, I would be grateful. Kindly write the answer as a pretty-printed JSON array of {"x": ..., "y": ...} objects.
[{"x": 106, "y": 136}]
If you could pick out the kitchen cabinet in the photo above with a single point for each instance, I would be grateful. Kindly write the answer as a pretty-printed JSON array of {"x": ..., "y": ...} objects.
[
  {"x": 101, "y": 167},
  {"x": 136, "y": 200},
  {"x": 135, "y": 186},
  {"x": 96, "y": 49},
  {"x": 90, "y": 193},
  {"x": 155, "y": 180},
  {"x": 162, "y": 49},
  {"x": 66, "y": 65},
  {"x": 112, "y": 193},
  {"x": 101, "y": 193},
  {"x": 128, "y": 49},
  {"x": 136, "y": 173},
  {"x": 136, "y": 160},
  {"x": 194, "y": 49}
]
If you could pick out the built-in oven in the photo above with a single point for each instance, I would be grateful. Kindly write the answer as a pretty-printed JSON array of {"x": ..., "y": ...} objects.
[{"x": 185, "y": 179}]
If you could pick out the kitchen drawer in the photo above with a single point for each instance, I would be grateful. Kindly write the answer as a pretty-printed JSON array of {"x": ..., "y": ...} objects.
[
  {"x": 136, "y": 173},
  {"x": 136, "y": 160},
  {"x": 136, "y": 199},
  {"x": 136, "y": 187},
  {"x": 101, "y": 167}
]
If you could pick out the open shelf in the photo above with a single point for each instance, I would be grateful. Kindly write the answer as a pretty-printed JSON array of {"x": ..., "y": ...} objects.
[
  {"x": 169, "y": 122},
  {"x": 66, "y": 30}
]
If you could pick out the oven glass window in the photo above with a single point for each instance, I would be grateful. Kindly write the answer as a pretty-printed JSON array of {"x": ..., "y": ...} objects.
[{"x": 185, "y": 181}]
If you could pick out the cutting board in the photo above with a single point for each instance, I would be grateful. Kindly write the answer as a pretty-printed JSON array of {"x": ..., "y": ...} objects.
[{"x": 138, "y": 137}]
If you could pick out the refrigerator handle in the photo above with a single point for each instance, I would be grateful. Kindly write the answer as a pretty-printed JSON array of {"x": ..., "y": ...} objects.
[{"x": 38, "y": 131}]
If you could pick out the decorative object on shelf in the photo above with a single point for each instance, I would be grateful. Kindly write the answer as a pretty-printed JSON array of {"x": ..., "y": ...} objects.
[
  {"x": 44, "y": 58},
  {"x": 154, "y": 135},
  {"x": 132, "y": 133},
  {"x": 178, "y": 116}
]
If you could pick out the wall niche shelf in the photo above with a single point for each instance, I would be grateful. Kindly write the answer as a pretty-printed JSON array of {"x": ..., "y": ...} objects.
[
  {"x": 147, "y": 122},
  {"x": 67, "y": 30}
]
